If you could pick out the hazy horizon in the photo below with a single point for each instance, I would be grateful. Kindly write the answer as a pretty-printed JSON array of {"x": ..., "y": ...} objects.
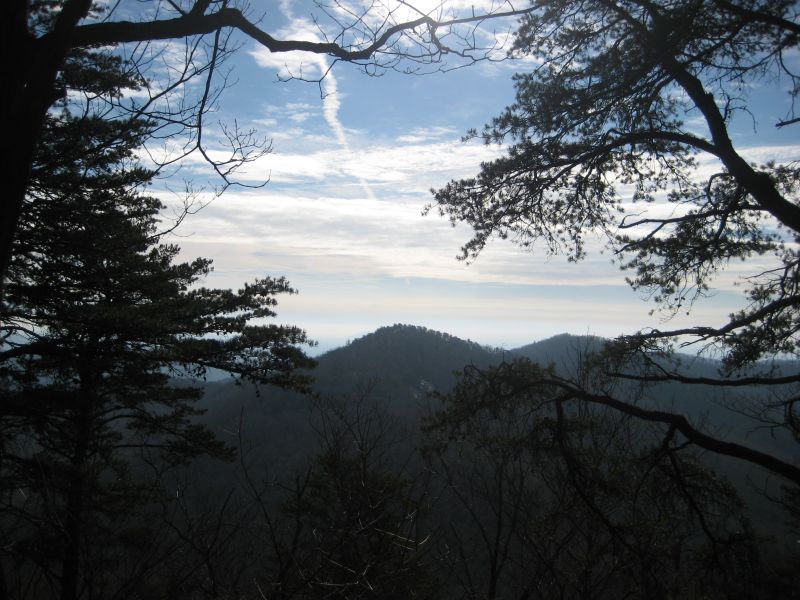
[{"x": 348, "y": 177}]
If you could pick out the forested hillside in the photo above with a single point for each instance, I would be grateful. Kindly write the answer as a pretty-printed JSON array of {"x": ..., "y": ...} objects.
[
  {"x": 404, "y": 366},
  {"x": 475, "y": 451},
  {"x": 422, "y": 465},
  {"x": 164, "y": 434}
]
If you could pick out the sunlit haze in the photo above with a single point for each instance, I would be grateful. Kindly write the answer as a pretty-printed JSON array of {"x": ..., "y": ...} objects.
[{"x": 352, "y": 165}]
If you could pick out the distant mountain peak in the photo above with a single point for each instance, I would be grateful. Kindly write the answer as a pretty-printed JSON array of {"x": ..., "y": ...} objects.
[
  {"x": 561, "y": 350},
  {"x": 401, "y": 355},
  {"x": 407, "y": 332}
]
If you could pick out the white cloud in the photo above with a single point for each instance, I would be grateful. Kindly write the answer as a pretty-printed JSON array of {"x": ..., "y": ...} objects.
[
  {"x": 778, "y": 154},
  {"x": 342, "y": 214},
  {"x": 341, "y": 253},
  {"x": 300, "y": 65},
  {"x": 425, "y": 134},
  {"x": 362, "y": 238},
  {"x": 300, "y": 106},
  {"x": 410, "y": 168},
  {"x": 299, "y": 117}
]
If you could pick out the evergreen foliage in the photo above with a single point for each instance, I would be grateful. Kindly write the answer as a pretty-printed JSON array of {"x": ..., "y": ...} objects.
[
  {"x": 605, "y": 140},
  {"x": 100, "y": 318},
  {"x": 608, "y": 116}
]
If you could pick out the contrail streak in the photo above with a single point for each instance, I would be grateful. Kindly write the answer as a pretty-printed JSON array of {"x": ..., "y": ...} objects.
[{"x": 330, "y": 109}]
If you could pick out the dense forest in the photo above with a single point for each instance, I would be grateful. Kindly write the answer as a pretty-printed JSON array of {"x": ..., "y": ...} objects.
[
  {"x": 421, "y": 465},
  {"x": 408, "y": 463},
  {"x": 506, "y": 506}
]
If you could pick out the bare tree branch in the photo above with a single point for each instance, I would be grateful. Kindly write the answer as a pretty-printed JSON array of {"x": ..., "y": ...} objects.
[
  {"x": 681, "y": 424},
  {"x": 97, "y": 34}
]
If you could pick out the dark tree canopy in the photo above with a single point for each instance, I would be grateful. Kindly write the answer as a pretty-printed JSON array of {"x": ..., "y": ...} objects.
[
  {"x": 604, "y": 137},
  {"x": 609, "y": 108},
  {"x": 359, "y": 511},
  {"x": 100, "y": 318},
  {"x": 586, "y": 503}
]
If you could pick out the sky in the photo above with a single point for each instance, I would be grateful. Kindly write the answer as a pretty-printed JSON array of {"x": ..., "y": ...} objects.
[{"x": 352, "y": 163}]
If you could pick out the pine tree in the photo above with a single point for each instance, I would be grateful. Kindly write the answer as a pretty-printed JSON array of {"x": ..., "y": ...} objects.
[
  {"x": 606, "y": 136},
  {"x": 100, "y": 321}
]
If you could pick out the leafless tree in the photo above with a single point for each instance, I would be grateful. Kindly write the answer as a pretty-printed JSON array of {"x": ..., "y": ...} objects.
[{"x": 547, "y": 503}]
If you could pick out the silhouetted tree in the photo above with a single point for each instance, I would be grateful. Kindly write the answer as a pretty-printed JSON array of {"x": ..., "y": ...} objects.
[
  {"x": 99, "y": 319},
  {"x": 542, "y": 503},
  {"x": 353, "y": 523},
  {"x": 604, "y": 118}
]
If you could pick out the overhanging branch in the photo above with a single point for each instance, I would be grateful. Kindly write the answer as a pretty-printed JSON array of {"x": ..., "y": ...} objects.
[
  {"x": 739, "y": 382},
  {"x": 681, "y": 424},
  {"x": 714, "y": 332},
  {"x": 99, "y": 34}
]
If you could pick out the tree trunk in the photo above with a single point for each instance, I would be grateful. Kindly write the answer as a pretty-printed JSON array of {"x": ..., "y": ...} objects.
[
  {"x": 74, "y": 530},
  {"x": 29, "y": 94}
]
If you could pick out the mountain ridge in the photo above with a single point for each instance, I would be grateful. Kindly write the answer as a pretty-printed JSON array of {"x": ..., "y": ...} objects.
[{"x": 399, "y": 365}]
